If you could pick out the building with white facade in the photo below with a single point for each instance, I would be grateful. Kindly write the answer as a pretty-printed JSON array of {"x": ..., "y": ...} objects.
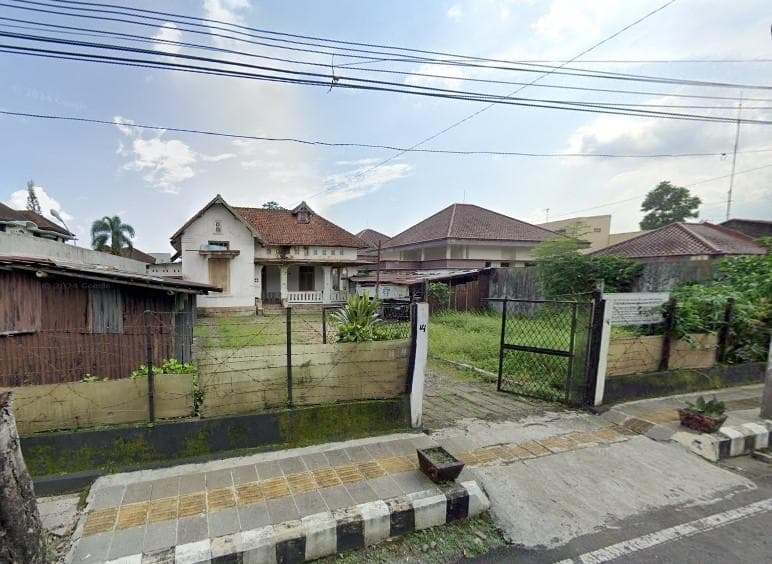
[{"x": 265, "y": 256}]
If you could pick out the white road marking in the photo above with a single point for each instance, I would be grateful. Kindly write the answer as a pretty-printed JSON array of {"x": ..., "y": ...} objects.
[{"x": 683, "y": 530}]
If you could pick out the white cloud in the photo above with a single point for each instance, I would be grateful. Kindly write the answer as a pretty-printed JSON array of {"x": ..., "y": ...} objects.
[
  {"x": 18, "y": 200},
  {"x": 165, "y": 164},
  {"x": 217, "y": 158},
  {"x": 453, "y": 81},
  {"x": 358, "y": 182},
  {"x": 121, "y": 123},
  {"x": 167, "y": 32},
  {"x": 455, "y": 12},
  {"x": 226, "y": 10}
]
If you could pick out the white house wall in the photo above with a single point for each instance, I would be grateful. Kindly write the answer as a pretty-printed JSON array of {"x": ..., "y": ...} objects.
[{"x": 242, "y": 271}]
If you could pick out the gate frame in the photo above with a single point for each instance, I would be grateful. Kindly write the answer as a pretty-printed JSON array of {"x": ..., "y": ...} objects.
[{"x": 593, "y": 328}]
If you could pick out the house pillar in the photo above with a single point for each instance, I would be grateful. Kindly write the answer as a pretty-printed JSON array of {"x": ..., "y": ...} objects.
[
  {"x": 284, "y": 293},
  {"x": 327, "y": 288},
  {"x": 344, "y": 274},
  {"x": 259, "y": 288}
]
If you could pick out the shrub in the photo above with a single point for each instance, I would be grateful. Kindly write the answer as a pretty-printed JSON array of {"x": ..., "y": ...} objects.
[
  {"x": 439, "y": 295},
  {"x": 358, "y": 320},
  {"x": 169, "y": 366},
  {"x": 713, "y": 408},
  {"x": 573, "y": 273}
]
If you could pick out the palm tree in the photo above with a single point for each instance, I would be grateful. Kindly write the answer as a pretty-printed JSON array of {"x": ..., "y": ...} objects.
[{"x": 111, "y": 229}]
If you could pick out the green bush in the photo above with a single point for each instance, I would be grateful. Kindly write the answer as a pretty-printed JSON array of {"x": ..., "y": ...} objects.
[
  {"x": 439, "y": 295},
  {"x": 747, "y": 280},
  {"x": 358, "y": 320},
  {"x": 573, "y": 273},
  {"x": 169, "y": 366}
]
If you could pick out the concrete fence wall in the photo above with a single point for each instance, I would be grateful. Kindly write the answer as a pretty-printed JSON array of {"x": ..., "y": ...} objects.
[
  {"x": 635, "y": 355},
  {"x": 249, "y": 379},
  {"x": 75, "y": 405}
]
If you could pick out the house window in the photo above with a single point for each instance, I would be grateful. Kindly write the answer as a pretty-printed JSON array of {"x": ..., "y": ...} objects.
[
  {"x": 305, "y": 251},
  {"x": 220, "y": 245},
  {"x": 504, "y": 265},
  {"x": 597, "y": 230},
  {"x": 302, "y": 217},
  {"x": 106, "y": 310},
  {"x": 335, "y": 274},
  {"x": 332, "y": 252},
  {"x": 316, "y": 251},
  {"x": 218, "y": 226},
  {"x": 341, "y": 252},
  {"x": 487, "y": 264},
  {"x": 324, "y": 251}
]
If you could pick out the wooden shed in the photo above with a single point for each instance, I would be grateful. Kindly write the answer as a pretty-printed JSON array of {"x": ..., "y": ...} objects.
[{"x": 61, "y": 323}]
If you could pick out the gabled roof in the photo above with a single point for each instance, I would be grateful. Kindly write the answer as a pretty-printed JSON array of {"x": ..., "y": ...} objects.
[
  {"x": 132, "y": 253},
  {"x": 371, "y": 237},
  {"x": 684, "y": 239},
  {"x": 43, "y": 223},
  {"x": 214, "y": 201},
  {"x": 467, "y": 221},
  {"x": 282, "y": 227}
]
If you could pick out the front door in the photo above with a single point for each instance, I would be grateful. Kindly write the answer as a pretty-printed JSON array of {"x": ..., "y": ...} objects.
[{"x": 306, "y": 278}]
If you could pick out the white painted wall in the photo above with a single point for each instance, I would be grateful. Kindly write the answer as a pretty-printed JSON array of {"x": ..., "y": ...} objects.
[
  {"x": 196, "y": 268},
  {"x": 307, "y": 254},
  {"x": 12, "y": 244}
]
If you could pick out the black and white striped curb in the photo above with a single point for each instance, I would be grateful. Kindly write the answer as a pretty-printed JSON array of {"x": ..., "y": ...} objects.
[
  {"x": 328, "y": 533},
  {"x": 736, "y": 440}
]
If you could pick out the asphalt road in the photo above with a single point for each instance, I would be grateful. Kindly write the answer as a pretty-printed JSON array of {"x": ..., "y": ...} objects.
[{"x": 735, "y": 529}]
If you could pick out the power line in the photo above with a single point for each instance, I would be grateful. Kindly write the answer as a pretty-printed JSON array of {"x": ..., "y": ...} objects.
[
  {"x": 643, "y": 194},
  {"x": 320, "y": 143},
  {"x": 315, "y": 79},
  {"x": 586, "y": 73},
  {"x": 62, "y": 29},
  {"x": 488, "y": 106}
]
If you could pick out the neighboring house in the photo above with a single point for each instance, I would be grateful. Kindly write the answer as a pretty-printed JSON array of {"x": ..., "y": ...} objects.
[
  {"x": 132, "y": 253},
  {"x": 684, "y": 242},
  {"x": 594, "y": 229},
  {"x": 260, "y": 256},
  {"x": 464, "y": 236},
  {"x": 614, "y": 238},
  {"x": 25, "y": 222},
  {"x": 373, "y": 239},
  {"x": 753, "y": 228},
  {"x": 76, "y": 311}
]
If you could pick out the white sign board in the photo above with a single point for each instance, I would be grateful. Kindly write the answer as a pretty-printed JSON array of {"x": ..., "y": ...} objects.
[
  {"x": 635, "y": 308},
  {"x": 385, "y": 291}
]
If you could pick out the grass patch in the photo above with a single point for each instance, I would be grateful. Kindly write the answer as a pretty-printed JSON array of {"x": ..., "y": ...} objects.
[{"x": 461, "y": 539}]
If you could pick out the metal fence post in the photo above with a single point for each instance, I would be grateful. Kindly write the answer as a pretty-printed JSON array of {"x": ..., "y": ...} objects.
[
  {"x": 324, "y": 325},
  {"x": 501, "y": 344},
  {"x": 667, "y": 338},
  {"x": 570, "y": 374},
  {"x": 724, "y": 334},
  {"x": 595, "y": 340},
  {"x": 289, "y": 356},
  {"x": 150, "y": 378}
]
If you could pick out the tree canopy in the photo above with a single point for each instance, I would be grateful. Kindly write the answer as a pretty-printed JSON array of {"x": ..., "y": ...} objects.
[
  {"x": 272, "y": 205},
  {"x": 114, "y": 231},
  {"x": 668, "y": 203}
]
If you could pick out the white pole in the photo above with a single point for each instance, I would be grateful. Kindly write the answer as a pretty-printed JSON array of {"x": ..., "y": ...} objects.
[
  {"x": 605, "y": 339},
  {"x": 419, "y": 366}
]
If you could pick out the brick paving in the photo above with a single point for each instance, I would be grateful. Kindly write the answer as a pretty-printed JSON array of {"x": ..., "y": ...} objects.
[{"x": 196, "y": 505}]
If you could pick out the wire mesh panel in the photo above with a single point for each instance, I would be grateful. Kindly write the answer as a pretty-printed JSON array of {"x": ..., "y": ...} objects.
[
  {"x": 393, "y": 324},
  {"x": 544, "y": 349}
]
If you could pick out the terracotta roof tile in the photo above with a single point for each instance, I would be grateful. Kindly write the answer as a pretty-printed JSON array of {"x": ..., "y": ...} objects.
[
  {"x": 684, "y": 239},
  {"x": 467, "y": 221},
  {"x": 281, "y": 227},
  {"x": 10, "y": 214},
  {"x": 371, "y": 237}
]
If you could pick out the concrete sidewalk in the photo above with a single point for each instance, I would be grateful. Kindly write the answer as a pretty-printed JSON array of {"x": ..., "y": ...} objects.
[
  {"x": 743, "y": 431},
  {"x": 156, "y": 510}
]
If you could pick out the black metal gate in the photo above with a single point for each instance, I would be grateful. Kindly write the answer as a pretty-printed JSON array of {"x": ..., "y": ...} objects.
[{"x": 544, "y": 348}]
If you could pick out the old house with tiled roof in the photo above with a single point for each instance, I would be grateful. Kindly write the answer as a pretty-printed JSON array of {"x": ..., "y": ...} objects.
[
  {"x": 262, "y": 256},
  {"x": 684, "y": 241},
  {"x": 25, "y": 222},
  {"x": 465, "y": 236},
  {"x": 373, "y": 239}
]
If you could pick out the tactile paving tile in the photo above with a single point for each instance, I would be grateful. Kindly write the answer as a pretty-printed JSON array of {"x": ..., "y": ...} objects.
[
  {"x": 326, "y": 478},
  {"x": 223, "y": 498},
  {"x": 162, "y": 510},
  {"x": 132, "y": 515},
  {"x": 301, "y": 483},
  {"x": 275, "y": 488},
  {"x": 192, "y": 504},
  {"x": 249, "y": 493},
  {"x": 100, "y": 521}
]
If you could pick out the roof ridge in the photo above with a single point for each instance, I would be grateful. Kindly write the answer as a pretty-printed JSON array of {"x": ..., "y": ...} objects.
[
  {"x": 645, "y": 232},
  {"x": 700, "y": 238},
  {"x": 509, "y": 217},
  {"x": 730, "y": 231},
  {"x": 452, "y": 218}
]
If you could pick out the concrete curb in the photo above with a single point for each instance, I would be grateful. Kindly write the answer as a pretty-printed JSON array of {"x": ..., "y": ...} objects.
[
  {"x": 728, "y": 441},
  {"x": 328, "y": 533}
]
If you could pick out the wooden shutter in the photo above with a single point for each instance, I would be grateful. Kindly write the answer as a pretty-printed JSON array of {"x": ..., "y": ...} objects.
[
  {"x": 106, "y": 310},
  {"x": 220, "y": 273}
]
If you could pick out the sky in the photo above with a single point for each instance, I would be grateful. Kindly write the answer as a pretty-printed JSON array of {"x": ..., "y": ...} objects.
[{"x": 156, "y": 179}]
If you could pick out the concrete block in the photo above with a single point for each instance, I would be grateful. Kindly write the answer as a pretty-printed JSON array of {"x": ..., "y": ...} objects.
[
  {"x": 258, "y": 546},
  {"x": 478, "y": 501},
  {"x": 193, "y": 552},
  {"x": 430, "y": 511},
  {"x": 321, "y": 537},
  {"x": 225, "y": 545},
  {"x": 132, "y": 559},
  {"x": 375, "y": 516}
]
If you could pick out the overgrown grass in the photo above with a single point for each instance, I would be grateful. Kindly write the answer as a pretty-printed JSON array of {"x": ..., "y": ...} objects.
[
  {"x": 474, "y": 339},
  {"x": 256, "y": 331},
  {"x": 450, "y": 543}
]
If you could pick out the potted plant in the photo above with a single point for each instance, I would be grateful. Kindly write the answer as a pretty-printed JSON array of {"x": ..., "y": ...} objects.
[
  {"x": 702, "y": 416},
  {"x": 439, "y": 464}
]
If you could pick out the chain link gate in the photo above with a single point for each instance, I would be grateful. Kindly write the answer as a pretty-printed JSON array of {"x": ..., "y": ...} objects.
[{"x": 544, "y": 348}]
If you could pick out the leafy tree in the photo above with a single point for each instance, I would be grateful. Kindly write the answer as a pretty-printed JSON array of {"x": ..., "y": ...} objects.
[
  {"x": 439, "y": 295},
  {"x": 111, "y": 229},
  {"x": 666, "y": 204},
  {"x": 33, "y": 204},
  {"x": 273, "y": 206}
]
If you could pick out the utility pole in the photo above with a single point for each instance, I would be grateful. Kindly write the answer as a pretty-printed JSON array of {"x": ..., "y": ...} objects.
[
  {"x": 378, "y": 271},
  {"x": 734, "y": 158}
]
